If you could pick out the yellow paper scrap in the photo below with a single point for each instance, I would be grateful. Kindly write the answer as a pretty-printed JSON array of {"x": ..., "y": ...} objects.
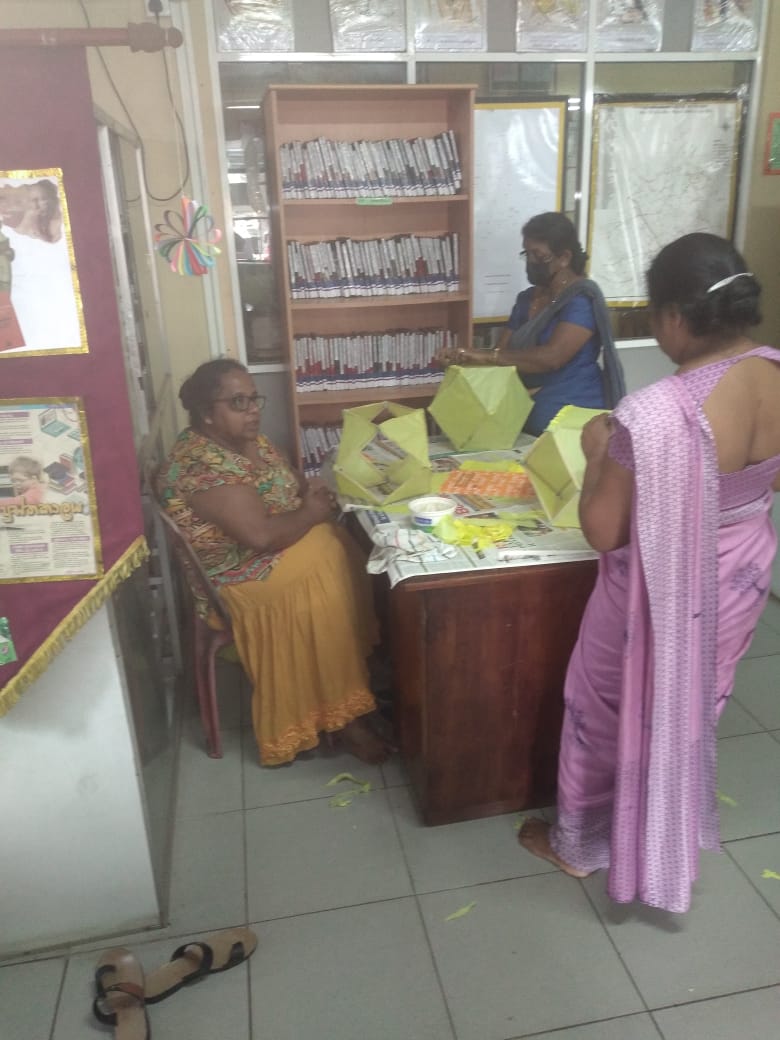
[
  {"x": 461, "y": 913},
  {"x": 771, "y": 874},
  {"x": 475, "y": 535},
  {"x": 519, "y": 823},
  {"x": 726, "y": 800},
  {"x": 340, "y": 801},
  {"x": 364, "y": 785},
  {"x": 501, "y": 466}
]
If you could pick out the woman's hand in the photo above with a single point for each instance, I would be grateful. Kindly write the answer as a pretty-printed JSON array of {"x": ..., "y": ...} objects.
[
  {"x": 445, "y": 358},
  {"x": 319, "y": 502},
  {"x": 595, "y": 437},
  {"x": 466, "y": 356}
]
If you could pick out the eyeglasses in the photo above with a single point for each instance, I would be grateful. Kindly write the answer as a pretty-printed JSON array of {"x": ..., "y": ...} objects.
[
  {"x": 524, "y": 254},
  {"x": 243, "y": 402}
]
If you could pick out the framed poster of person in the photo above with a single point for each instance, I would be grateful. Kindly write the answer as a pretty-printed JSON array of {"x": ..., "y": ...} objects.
[
  {"x": 48, "y": 515},
  {"x": 40, "y": 300}
]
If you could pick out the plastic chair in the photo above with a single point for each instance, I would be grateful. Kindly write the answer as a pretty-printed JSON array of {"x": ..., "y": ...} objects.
[{"x": 208, "y": 639}]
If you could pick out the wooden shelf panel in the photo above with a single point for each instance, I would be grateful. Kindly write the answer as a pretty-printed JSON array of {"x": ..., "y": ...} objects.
[
  {"x": 361, "y": 203},
  {"x": 371, "y": 302},
  {"x": 365, "y": 394},
  {"x": 354, "y": 112}
]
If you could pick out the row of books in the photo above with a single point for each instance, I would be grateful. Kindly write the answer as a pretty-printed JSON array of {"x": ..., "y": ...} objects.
[
  {"x": 373, "y": 267},
  {"x": 316, "y": 443},
  {"x": 325, "y": 169},
  {"x": 400, "y": 357}
]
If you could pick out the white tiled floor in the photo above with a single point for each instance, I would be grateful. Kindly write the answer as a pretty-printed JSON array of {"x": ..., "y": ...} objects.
[{"x": 351, "y": 905}]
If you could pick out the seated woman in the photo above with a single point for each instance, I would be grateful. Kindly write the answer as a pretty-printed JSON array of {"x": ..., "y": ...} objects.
[
  {"x": 293, "y": 581},
  {"x": 557, "y": 328}
]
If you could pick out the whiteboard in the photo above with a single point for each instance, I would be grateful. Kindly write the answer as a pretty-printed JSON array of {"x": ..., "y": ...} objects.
[
  {"x": 518, "y": 172},
  {"x": 662, "y": 169}
]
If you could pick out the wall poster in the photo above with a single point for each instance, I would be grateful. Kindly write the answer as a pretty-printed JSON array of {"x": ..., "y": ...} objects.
[
  {"x": 661, "y": 169},
  {"x": 48, "y": 518},
  {"x": 40, "y": 299}
]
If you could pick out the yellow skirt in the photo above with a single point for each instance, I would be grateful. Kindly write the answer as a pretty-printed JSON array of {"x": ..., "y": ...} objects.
[{"x": 303, "y": 635}]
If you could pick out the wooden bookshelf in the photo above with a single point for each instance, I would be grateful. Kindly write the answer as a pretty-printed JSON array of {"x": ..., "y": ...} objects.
[{"x": 373, "y": 113}]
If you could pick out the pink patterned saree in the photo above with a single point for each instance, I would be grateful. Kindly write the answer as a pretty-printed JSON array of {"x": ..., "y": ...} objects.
[{"x": 670, "y": 616}]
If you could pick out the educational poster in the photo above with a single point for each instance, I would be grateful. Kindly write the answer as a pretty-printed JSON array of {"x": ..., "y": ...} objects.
[
  {"x": 661, "y": 170},
  {"x": 48, "y": 521},
  {"x": 450, "y": 25},
  {"x": 368, "y": 25},
  {"x": 518, "y": 172},
  {"x": 725, "y": 25},
  {"x": 552, "y": 25},
  {"x": 40, "y": 300},
  {"x": 629, "y": 25},
  {"x": 254, "y": 25}
]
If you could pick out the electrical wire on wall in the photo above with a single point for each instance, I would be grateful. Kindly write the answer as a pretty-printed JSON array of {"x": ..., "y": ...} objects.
[{"x": 182, "y": 152}]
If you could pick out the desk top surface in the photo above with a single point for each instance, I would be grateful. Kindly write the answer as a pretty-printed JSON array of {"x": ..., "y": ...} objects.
[{"x": 533, "y": 541}]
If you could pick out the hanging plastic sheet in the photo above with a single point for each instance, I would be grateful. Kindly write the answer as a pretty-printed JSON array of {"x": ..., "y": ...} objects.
[
  {"x": 725, "y": 25},
  {"x": 552, "y": 25},
  {"x": 368, "y": 25},
  {"x": 254, "y": 25},
  {"x": 629, "y": 25},
  {"x": 450, "y": 25}
]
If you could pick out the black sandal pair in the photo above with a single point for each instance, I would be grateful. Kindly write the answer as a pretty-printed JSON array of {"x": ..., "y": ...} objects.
[{"x": 123, "y": 991}]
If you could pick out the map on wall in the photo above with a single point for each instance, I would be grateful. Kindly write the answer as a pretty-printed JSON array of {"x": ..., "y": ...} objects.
[{"x": 661, "y": 170}]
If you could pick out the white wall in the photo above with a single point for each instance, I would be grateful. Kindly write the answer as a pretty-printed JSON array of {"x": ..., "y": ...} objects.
[
  {"x": 74, "y": 855},
  {"x": 644, "y": 365}
]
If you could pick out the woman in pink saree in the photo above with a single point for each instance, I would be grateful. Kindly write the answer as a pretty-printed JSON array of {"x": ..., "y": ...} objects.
[{"x": 677, "y": 497}]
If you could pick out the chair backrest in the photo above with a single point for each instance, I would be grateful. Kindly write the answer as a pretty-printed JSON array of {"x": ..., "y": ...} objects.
[{"x": 200, "y": 585}]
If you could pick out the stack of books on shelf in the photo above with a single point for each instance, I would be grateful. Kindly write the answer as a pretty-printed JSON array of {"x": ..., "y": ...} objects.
[
  {"x": 324, "y": 169},
  {"x": 382, "y": 359},
  {"x": 316, "y": 443},
  {"x": 396, "y": 266}
]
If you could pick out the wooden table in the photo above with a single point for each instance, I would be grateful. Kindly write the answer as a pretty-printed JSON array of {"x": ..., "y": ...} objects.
[{"x": 479, "y": 661}]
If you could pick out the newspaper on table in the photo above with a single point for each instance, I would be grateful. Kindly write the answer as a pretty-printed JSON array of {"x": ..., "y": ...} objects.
[
  {"x": 450, "y": 25},
  {"x": 368, "y": 25},
  {"x": 552, "y": 25}
]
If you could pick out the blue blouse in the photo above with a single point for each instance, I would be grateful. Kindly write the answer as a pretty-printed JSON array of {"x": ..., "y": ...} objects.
[{"x": 579, "y": 381}]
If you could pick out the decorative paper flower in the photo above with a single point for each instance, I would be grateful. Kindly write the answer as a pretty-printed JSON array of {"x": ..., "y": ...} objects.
[{"x": 187, "y": 240}]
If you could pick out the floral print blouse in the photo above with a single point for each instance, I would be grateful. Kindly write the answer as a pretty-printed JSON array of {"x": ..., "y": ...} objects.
[{"x": 197, "y": 463}]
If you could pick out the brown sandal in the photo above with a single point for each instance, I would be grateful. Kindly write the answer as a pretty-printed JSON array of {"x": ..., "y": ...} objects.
[
  {"x": 120, "y": 1000},
  {"x": 218, "y": 951}
]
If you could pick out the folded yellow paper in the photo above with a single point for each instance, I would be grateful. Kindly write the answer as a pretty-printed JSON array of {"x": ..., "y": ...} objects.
[
  {"x": 556, "y": 465},
  {"x": 386, "y": 461},
  {"x": 481, "y": 409}
]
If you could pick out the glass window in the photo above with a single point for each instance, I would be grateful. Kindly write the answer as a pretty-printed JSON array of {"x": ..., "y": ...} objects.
[{"x": 243, "y": 86}]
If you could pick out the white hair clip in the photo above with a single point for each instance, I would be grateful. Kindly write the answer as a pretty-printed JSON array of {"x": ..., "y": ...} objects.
[{"x": 730, "y": 279}]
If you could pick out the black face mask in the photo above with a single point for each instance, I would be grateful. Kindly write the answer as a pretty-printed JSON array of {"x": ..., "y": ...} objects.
[{"x": 538, "y": 273}]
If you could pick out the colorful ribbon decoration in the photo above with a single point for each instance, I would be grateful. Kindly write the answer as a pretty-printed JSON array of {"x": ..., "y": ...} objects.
[{"x": 187, "y": 241}]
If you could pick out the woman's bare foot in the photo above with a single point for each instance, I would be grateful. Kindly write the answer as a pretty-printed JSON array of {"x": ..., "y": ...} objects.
[
  {"x": 535, "y": 836},
  {"x": 361, "y": 741}
]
